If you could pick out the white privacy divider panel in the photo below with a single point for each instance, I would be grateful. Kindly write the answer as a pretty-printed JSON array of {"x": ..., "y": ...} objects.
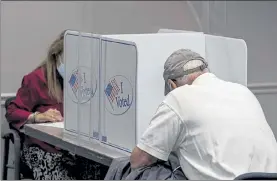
[
  {"x": 119, "y": 75},
  {"x": 81, "y": 84}
]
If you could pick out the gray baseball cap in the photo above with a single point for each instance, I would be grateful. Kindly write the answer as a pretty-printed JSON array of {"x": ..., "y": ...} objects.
[{"x": 174, "y": 65}]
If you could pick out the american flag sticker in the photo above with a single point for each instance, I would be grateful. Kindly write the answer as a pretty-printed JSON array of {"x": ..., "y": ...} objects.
[
  {"x": 112, "y": 91},
  {"x": 74, "y": 82}
]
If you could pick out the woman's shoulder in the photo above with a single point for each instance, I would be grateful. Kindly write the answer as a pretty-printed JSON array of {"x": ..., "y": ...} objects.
[{"x": 36, "y": 75}]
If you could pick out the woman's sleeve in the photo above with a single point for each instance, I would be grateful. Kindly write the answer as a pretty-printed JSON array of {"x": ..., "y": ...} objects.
[{"x": 20, "y": 109}]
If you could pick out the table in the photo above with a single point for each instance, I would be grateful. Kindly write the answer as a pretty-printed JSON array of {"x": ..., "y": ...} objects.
[{"x": 93, "y": 150}]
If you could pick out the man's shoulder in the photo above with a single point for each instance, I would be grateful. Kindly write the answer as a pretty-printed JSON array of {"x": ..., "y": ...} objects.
[
  {"x": 179, "y": 93},
  {"x": 177, "y": 101}
]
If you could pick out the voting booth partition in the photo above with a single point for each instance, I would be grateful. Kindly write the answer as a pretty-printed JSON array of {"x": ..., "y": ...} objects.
[
  {"x": 81, "y": 83},
  {"x": 114, "y": 83}
]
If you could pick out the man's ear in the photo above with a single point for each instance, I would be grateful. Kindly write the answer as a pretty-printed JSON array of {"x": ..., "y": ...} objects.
[{"x": 173, "y": 84}]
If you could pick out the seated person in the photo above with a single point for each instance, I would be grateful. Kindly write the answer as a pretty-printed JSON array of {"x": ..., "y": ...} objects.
[
  {"x": 39, "y": 100},
  {"x": 217, "y": 128}
]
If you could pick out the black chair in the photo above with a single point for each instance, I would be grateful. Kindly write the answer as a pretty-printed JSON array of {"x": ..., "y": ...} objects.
[
  {"x": 16, "y": 138},
  {"x": 257, "y": 176}
]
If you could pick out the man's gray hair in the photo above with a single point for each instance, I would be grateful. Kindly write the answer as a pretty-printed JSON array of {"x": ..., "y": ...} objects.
[{"x": 181, "y": 63}]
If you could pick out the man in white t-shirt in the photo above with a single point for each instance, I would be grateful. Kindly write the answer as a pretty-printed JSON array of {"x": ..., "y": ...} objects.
[{"x": 217, "y": 128}]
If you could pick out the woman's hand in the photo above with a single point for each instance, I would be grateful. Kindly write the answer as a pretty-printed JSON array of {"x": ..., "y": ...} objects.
[{"x": 51, "y": 115}]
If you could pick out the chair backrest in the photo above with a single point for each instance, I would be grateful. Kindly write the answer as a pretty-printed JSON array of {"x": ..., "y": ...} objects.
[
  {"x": 5, "y": 124},
  {"x": 8, "y": 101},
  {"x": 257, "y": 176}
]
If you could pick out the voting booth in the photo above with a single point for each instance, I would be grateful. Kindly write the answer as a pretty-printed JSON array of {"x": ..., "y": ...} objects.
[{"x": 114, "y": 83}]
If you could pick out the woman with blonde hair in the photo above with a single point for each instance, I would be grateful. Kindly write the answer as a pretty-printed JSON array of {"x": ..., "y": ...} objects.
[{"x": 39, "y": 100}]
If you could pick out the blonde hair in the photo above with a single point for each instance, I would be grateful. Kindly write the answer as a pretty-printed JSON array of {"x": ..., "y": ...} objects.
[{"x": 50, "y": 66}]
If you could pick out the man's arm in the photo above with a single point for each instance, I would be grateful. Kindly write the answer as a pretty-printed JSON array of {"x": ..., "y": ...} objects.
[
  {"x": 159, "y": 139},
  {"x": 140, "y": 158}
]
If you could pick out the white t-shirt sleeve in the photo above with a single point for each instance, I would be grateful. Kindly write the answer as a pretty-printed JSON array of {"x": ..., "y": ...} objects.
[{"x": 163, "y": 134}]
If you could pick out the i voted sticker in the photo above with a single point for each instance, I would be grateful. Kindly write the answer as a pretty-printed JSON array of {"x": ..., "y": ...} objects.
[
  {"x": 82, "y": 85},
  {"x": 119, "y": 95}
]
